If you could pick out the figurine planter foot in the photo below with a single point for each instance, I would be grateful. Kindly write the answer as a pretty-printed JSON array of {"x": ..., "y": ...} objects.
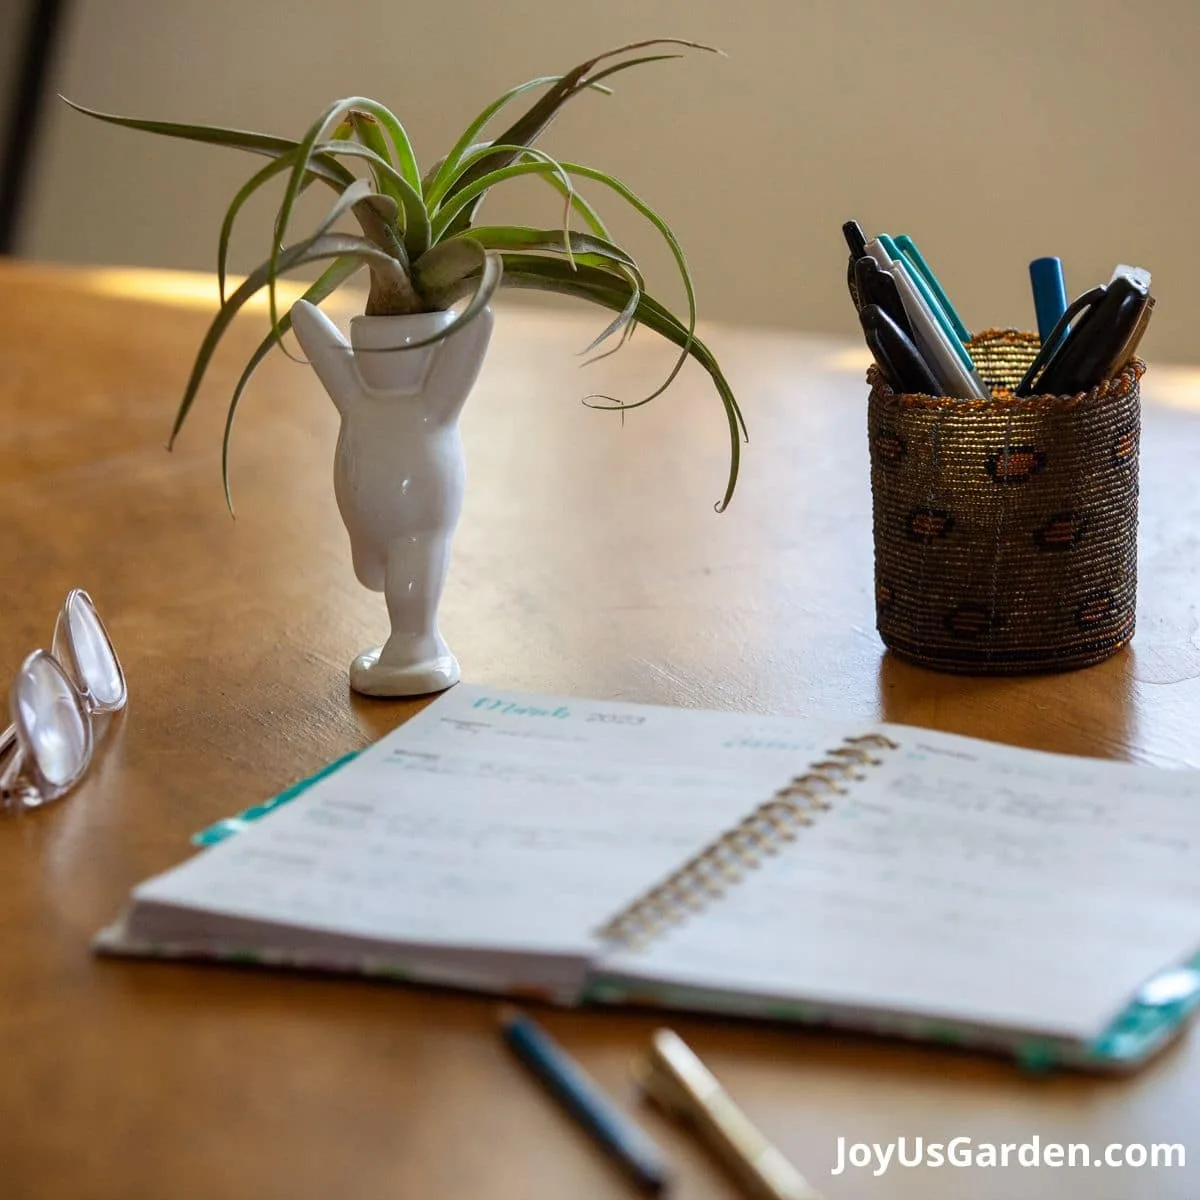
[
  {"x": 399, "y": 474},
  {"x": 372, "y": 677}
]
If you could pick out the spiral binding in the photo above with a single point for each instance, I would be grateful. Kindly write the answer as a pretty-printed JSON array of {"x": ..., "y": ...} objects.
[{"x": 721, "y": 864}]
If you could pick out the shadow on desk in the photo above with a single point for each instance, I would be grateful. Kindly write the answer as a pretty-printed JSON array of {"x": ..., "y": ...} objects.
[{"x": 1089, "y": 712}]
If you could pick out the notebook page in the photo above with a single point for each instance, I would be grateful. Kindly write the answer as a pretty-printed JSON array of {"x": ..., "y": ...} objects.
[
  {"x": 496, "y": 821},
  {"x": 960, "y": 879}
]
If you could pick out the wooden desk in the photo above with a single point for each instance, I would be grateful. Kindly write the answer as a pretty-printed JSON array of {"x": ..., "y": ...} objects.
[{"x": 588, "y": 560}]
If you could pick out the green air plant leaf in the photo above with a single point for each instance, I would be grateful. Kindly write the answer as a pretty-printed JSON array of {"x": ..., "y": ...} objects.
[
  {"x": 466, "y": 154},
  {"x": 623, "y": 322},
  {"x": 237, "y": 139},
  {"x": 439, "y": 274},
  {"x": 357, "y": 198},
  {"x": 444, "y": 218},
  {"x": 522, "y": 237},
  {"x": 315, "y": 249},
  {"x": 590, "y": 216},
  {"x": 324, "y": 246},
  {"x": 561, "y": 178},
  {"x": 419, "y": 241},
  {"x": 256, "y": 181},
  {"x": 411, "y": 207},
  {"x": 446, "y": 171},
  {"x": 628, "y": 330},
  {"x": 285, "y": 161},
  {"x": 550, "y": 241},
  {"x": 586, "y": 249},
  {"x": 252, "y": 185},
  {"x": 407, "y": 179},
  {"x": 368, "y": 132},
  {"x": 384, "y": 232},
  {"x": 530, "y": 126},
  {"x": 328, "y": 282},
  {"x": 404, "y": 158},
  {"x": 603, "y": 288}
]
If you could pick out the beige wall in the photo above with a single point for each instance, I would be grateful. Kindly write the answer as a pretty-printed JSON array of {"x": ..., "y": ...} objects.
[{"x": 992, "y": 132}]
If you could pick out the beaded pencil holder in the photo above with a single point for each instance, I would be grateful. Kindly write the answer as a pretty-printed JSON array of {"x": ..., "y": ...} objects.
[{"x": 1005, "y": 529}]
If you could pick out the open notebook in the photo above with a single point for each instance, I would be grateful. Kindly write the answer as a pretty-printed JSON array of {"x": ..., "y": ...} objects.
[{"x": 884, "y": 878}]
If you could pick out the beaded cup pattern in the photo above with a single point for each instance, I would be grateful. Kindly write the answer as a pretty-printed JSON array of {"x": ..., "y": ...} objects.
[{"x": 1005, "y": 529}]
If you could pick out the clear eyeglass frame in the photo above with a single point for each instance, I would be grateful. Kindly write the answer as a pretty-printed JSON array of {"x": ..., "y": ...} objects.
[{"x": 53, "y": 702}]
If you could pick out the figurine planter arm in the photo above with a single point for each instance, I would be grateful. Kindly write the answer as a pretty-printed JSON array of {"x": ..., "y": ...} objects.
[
  {"x": 443, "y": 375},
  {"x": 399, "y": 473}
]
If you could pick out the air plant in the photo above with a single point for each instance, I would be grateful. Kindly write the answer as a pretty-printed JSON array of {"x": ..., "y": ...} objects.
[{"x": 419, "y": 238}]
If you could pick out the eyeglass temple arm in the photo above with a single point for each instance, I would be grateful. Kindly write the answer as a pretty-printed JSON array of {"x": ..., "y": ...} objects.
[{"x": 11, "y": 771}]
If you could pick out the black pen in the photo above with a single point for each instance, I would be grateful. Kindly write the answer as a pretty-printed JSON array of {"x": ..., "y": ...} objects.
[
  {"x": 895, "y": 354},
  {"x": 876, "y": 286},
  {"x": 857, "y": 241}
]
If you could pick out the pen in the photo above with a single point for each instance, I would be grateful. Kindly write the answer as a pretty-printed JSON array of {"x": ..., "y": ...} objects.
[
  {"x": 908, "y": 248},
  {"x": 675, "y": 1079},
  {"x": 876, "y": 286},
  {"x": 895, "y": 354},
  {"x": 1049, "y": 293},
  {"x": 581, "y": 1096},
  {"x": 934, "y": 305},
  {"x": 857, "y": 241}
]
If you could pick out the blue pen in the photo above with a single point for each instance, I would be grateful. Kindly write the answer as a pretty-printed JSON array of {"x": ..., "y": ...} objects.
[
  {"x": 1049, "y": 293},
  {"x": 581, "y": 1096}
]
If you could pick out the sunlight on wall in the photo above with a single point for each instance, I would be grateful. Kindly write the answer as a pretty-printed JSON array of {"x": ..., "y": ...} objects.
[{"x": 179, "y": 289}]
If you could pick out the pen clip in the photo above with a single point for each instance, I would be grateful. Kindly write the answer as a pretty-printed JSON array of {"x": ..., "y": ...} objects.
[
  {"x": 661, "y": 1089},
  {"x": 674, "y": 1078}
]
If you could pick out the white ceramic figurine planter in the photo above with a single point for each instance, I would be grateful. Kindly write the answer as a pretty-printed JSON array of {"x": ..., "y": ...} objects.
[
  {"x": 399, "y": 468},
  {"x": 399, "y": 474}
]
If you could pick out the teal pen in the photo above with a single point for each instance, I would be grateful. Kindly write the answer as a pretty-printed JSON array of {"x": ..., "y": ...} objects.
[
  {"x": 931, "y": 301},
  {"x": 581, "y": 1096},
  {"x": 909, "y": 249}
]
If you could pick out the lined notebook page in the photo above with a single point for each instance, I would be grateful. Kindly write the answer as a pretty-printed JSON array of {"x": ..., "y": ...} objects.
[
  {"x": 965, "y": 880},
  {"x": 497, "y": 821}
]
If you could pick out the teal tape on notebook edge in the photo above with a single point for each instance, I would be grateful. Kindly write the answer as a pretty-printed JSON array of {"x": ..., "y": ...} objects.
[
  {"x": 220, "y": 830},
  {"x": 1148, "y": 1023}
]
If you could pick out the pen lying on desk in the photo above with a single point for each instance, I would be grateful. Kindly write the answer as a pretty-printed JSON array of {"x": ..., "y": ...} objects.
[
  {"x": 675, "y": 1079},
  {"x": 581, "y": 1096}
]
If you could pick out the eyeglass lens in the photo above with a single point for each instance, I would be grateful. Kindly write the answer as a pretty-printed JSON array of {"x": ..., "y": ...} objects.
[
  {"x": 93, "y": 652},
  {"x": 55, "y": 727}
]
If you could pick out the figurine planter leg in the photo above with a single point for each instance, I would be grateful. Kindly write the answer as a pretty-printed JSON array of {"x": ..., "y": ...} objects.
[
  {"x": 399, "y": 474},
  {"x": 415, "y": 659}
]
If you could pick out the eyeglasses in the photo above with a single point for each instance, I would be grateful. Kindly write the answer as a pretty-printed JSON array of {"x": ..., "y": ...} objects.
[{"x": 52, "y": 703}]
